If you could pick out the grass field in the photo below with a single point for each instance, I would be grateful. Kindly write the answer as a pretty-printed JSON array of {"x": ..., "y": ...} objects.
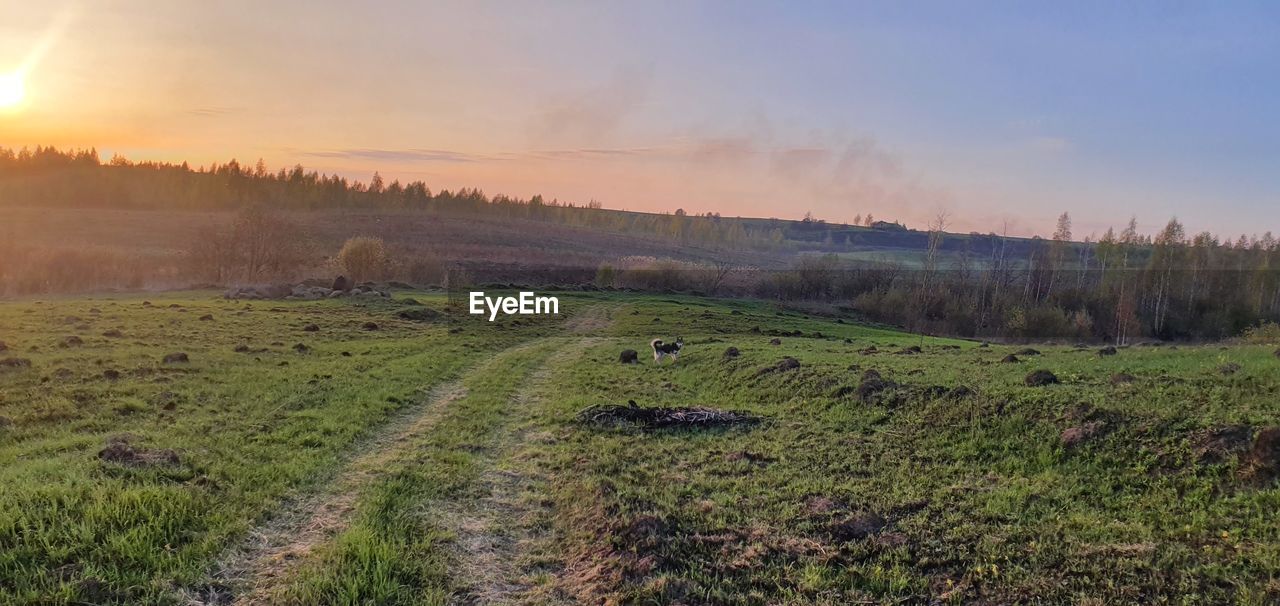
[{"x": 299, "y": 456}]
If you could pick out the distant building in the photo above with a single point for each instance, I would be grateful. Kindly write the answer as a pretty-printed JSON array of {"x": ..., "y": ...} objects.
[{"x": 885, "y": 225}]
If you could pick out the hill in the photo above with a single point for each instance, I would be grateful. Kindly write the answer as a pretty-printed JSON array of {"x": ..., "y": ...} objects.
[{"x": 296, "y": 453}]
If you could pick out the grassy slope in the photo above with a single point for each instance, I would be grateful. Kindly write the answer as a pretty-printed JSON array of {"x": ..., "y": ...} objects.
[
  {"x": 976, "y": 497},
  {"x": 249, "y": 427},
  {"x": 979, "y": 498}
]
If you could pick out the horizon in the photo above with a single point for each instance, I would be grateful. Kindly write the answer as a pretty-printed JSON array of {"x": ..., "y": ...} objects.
[
  {"x": 898, "y": 111},
  {"x": 1226, "y": 240}
]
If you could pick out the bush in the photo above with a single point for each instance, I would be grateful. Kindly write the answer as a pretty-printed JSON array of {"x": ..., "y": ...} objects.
[
  {"x": 364, "y": 259},
  {"x": 605, "y": 276},
  {"x": 1266, "y": 333},
  {"x": 259, "y": 244},
  {"x": 659, "y": 275}
]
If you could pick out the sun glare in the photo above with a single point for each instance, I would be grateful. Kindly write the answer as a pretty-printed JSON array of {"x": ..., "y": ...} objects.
[{"x": 11, "y": 90}]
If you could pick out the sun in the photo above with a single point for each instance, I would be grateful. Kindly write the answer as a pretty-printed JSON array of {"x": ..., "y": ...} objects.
[{"x": 11, "y": 90}]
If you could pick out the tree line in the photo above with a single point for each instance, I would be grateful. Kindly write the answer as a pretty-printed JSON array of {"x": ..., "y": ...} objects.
[
  {"x": 49, "y": 177},
  {"x": 1122, "y": 287}
]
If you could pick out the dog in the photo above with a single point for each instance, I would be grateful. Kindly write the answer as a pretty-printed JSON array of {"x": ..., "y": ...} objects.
[{"x": 661, "y": 350}]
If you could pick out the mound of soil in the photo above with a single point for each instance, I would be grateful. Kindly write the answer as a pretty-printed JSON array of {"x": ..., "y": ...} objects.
[
  {"x": 1217, "y": 444},
  {"x": 629, "y": 356},
  {"x": 783, "y": 365},
  {"x": 749, "y": 457},
  {"x": 1079, "y": 413},
  {"x": 775, "y": 341},
  {"x": 1027, "y": 352},
  {"x": 960, "y": 392},
  {"x": 910, "y": 351},
  {"x": 166, "y": 400},
  {"x": 1262, "y": 461},
  {"x": 241, "y": 348},
  {"x": 866, "y": 351},
  {"x": 176, "y": 358},
  {"x": 660, "y": 417},
  {"x": 111, "y": 374},
  {"x": 1122, "y": 378},
  {"x": 311, "y": 328},
  {"x": 15, "y": 363},
  {"x": 1010, "y": 359},
  {"x": 369, "y": 326},
  {"x": 857, "y": 526},
  {"x": 418, "y": 314},
  {"x": 1229, "y": 369},
  {"x": 301, "y": 348},
  {"x": 1040, "y": 378},
  {"x": 841, "y": 524},
  {"x": 1075, "y": 436},
  {"x": 817, "y": 505},
  {"x": 1107, "y": 351},
  {"x": 870, "y": 389},
  {"x": 120, "y": 451},
  {"x": 72, "y": 341},
  {"x": 206, "y": 318},
  {"x": 731, "y": 352}
]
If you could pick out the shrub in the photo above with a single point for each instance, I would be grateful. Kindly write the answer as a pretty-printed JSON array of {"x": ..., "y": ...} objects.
[
  {"x": 605, "y": 276},
  {"x": 363, "y": 258},
  {"x": 1265, "y": 333},
  {"x": 658, "y": 275},
  {"x": 258, "y": 244}
]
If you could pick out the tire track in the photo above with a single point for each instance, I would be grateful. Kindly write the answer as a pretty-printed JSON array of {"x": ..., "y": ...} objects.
[
  {"x": 248, "y": 573},
  {"x": 493, "y": 534}
]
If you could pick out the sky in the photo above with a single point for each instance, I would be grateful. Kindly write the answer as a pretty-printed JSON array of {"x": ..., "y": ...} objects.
[{"x": 1002, "y": 115}]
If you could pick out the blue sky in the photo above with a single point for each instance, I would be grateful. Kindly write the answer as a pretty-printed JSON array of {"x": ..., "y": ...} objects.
[{"x": 1001, "y": 114}]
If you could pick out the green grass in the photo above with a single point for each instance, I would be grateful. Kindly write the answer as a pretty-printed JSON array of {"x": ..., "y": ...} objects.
[
  {"x": 391, "y": 552},
  {"x": 980, "y": 498},
  {"x": 970, "y": 499},
  {"x": 249, "y": 427}
]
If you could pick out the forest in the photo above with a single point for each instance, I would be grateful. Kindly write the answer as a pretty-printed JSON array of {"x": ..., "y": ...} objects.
[{"x": 1122, "y": 286}]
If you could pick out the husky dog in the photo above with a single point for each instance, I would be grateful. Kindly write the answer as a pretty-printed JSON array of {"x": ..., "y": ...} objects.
[{"x": 661, "y": 349}]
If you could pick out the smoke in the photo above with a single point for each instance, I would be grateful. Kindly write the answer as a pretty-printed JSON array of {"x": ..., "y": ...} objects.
[{"x": 592, "y": 114}]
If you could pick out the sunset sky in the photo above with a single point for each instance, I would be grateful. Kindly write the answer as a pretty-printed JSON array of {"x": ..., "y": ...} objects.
[{"x": 999, "y": 113}]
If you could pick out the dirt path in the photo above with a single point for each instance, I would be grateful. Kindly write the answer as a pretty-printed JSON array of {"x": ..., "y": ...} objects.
[
  {"x": 490, "y": 534},
  {"x": 248, "y": 573},
  {"x": 592, "y": 320},
  {"x": 496, "y": 533}
]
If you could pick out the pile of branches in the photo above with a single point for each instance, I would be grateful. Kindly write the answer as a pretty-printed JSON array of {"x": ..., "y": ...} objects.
[{"x": 659, "y": 417}]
